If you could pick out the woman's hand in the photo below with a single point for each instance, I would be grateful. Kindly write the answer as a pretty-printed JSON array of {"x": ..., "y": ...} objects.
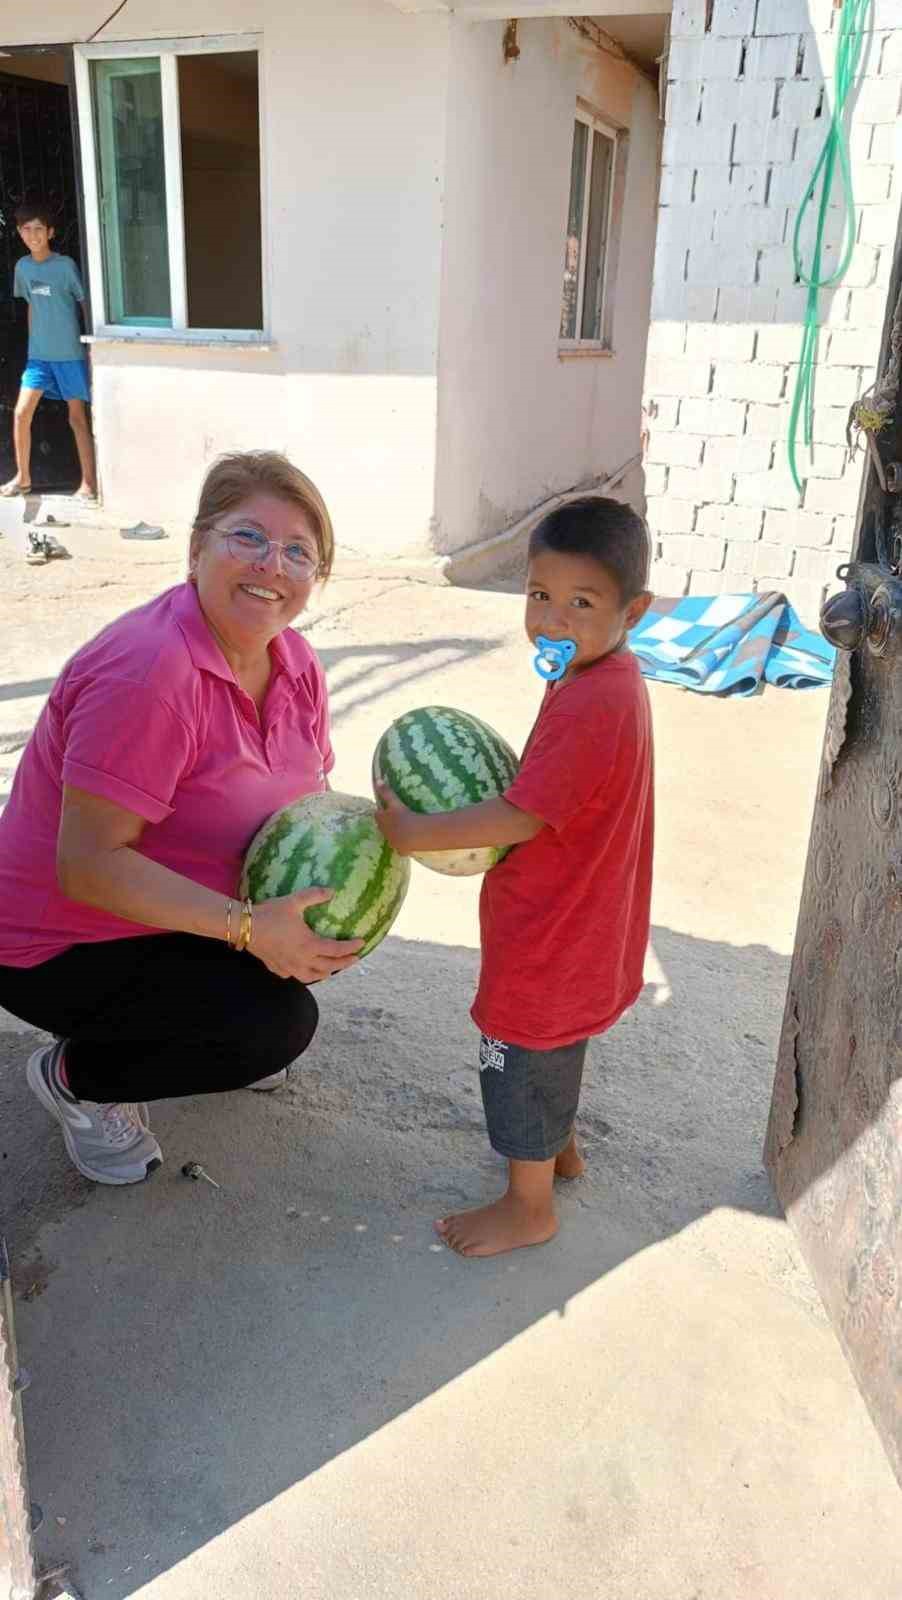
[
  {"x": 288, "y": 946},
  {"x": 98, "y": 865}
]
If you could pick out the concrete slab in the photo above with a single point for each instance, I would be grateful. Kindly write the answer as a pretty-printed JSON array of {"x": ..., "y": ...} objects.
[{"x": 285, "y": 1387}]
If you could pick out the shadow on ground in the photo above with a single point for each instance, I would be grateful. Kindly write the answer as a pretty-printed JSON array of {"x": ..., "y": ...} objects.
[
  {"x": 379, "y": 666},
  {"x": 196, "y": 1352},
  {"x": 26, "y": 691}
]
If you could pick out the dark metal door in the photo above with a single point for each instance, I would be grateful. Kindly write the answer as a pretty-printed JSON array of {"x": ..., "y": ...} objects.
[
  {"x": 834, "y": 1142},
  {"x": 36, "y": 162}
]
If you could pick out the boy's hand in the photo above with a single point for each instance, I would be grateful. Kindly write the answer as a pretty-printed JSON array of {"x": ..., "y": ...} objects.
[
  {"x": 490, "y": 822},
  {"x": 397, "y": 823}
]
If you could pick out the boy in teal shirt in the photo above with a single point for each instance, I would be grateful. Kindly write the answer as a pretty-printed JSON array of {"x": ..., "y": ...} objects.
[{"x": 56, "y": 364}]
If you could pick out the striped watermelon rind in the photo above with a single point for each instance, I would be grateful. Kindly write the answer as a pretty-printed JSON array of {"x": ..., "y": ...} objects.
[
  {"x": 439, "y": 759},
  {"x": 330, "y": 841}
]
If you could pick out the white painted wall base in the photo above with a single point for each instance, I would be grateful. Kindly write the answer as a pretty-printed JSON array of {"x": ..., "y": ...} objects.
[
  {"x": 506, "y": 552},
  {"x": 368, "y": 441}
]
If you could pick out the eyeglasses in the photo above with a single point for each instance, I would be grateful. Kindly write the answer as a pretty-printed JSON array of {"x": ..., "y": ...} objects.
[{"x": 254, "y": 548}]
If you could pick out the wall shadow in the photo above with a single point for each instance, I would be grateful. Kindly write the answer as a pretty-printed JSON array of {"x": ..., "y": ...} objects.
[
  {"x": 26, "y": 690},
  {"x": 197, "y": 1352}
]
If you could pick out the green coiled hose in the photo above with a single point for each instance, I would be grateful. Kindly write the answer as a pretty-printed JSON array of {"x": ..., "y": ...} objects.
[{"x": 852, "y": 30}]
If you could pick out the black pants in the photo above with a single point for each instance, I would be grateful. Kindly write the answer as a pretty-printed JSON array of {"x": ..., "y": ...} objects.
[{"x": 156, "y": 1017}]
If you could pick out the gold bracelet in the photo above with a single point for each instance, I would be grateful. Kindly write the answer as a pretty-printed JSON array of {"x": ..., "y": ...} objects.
[
  {"x": 229, "y": 924},
  {"x": 246, "y": 929}
]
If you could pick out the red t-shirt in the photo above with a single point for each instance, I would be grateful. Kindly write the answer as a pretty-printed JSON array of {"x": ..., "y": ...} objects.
[{"x": 565, "y": 916}]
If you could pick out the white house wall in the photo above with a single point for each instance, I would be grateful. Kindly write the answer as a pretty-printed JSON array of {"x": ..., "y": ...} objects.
[
  {"x": 747, "y": 113},
  {"x": 353, "y": 127},
  {"x": 533, "y": 8},
  {"x": 518, "y": 423},
  {"x": 73, "y": 21}
]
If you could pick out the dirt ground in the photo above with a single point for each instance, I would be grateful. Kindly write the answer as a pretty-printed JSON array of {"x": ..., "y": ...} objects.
[{"x": 286, "y": 1387}]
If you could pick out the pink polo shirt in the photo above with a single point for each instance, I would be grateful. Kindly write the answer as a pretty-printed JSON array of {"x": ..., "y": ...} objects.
[{"x": 150, "y": 716}]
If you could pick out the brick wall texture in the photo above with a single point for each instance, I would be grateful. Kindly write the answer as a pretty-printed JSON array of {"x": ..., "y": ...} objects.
[{"x": 747, "y": 103}]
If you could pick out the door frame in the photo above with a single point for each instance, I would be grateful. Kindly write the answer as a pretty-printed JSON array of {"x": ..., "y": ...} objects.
[{"x": 67, "y": 51}]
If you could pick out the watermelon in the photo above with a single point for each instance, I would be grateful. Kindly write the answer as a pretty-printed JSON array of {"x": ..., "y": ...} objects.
[
  {"x": 330, "y": 841},
  {"x": 437, "y": 759}
]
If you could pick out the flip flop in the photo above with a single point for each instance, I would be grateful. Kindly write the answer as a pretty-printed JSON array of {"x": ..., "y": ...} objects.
[
  {"x": 142, "y": 530},
  {"x": 9, "y": 490}
]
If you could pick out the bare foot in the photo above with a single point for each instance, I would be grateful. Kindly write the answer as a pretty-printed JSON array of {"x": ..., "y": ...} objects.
[
  {"x": 507, "y": 1224},
  {"x": 15, "y": 486},
  {"x": 570, "y": 1163}
]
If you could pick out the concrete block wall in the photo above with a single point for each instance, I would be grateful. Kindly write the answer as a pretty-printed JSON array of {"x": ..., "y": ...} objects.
[{"x": 747, "y": 104}]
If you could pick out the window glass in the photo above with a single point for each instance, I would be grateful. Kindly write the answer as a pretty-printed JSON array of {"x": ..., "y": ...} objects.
[
  {"x": 132, "y": 185},
  {"x": 573, "y": 247},
  {"x": 597, "y": 235}
]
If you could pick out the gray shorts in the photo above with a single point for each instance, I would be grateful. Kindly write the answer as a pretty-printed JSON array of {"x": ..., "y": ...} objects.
[{"x": 530, "y": 1097}]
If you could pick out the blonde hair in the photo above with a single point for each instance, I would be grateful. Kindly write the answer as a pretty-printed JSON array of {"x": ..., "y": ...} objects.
[{"x": 234, "y": 477}]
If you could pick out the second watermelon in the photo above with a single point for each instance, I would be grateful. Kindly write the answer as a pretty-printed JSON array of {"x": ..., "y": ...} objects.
[{"x": 438, "y": 759}]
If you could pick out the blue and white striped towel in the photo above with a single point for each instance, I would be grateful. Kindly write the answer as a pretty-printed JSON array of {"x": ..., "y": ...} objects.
[{"x": 731, "y": 644}]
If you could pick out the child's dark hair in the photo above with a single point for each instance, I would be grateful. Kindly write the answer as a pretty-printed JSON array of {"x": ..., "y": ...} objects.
[
  {"x": 605, "y": 530},
  {"x": 38, "y": 211}
]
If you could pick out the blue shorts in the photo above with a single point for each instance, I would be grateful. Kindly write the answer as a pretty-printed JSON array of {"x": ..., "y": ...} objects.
[{"x": 59, "y": 380}]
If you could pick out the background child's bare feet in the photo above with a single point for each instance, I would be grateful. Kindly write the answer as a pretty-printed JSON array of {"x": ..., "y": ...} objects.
[
  {"x": 507, "y": 1224},
  {"x": 570, "y": 1163}
]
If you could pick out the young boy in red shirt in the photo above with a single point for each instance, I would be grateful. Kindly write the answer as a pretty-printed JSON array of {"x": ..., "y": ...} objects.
[{"x": 565, "y": 916}]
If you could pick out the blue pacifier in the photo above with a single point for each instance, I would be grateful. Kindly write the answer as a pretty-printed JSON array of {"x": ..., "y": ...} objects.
[{"x": 554, "y": 657}]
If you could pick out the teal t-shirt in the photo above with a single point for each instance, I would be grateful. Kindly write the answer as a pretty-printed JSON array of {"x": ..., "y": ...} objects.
[{"x": 52, "y": 288}]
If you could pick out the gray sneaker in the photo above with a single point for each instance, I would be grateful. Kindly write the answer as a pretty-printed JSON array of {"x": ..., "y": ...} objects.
[
  {"x": 108, "y": 1143},
  {"x": 276, "y": 1080}
]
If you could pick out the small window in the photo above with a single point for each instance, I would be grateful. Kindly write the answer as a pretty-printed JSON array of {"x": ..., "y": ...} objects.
[
  {"x": 596, "y": 175},
  {"x": 172, "y": 187}
]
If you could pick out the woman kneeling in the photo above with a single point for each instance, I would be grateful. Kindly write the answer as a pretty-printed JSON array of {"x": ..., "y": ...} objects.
[{"x": 166, "y": 743}]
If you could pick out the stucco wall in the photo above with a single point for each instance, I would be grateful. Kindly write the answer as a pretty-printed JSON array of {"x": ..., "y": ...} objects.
[
  {"x": 353, "y": 114},
  {"x": 747, "y": 112},
  {"x": 516, "y": 422},
  {"x": 68, "y": 21}
]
